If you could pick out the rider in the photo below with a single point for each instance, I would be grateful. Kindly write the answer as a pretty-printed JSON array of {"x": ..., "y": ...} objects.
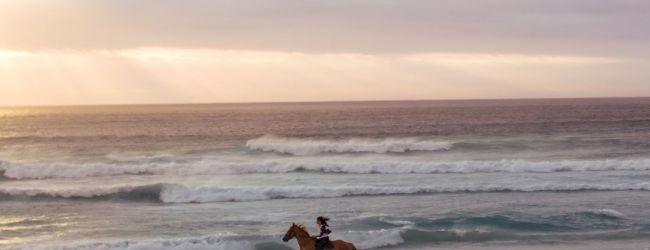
[{"x": 323, "y": 238}]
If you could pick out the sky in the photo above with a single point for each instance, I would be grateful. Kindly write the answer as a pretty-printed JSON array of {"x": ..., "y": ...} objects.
[{"x": 65, "y": 52}]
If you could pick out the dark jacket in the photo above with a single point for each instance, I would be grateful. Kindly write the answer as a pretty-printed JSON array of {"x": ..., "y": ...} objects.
[{"x": 324, "y": 232}]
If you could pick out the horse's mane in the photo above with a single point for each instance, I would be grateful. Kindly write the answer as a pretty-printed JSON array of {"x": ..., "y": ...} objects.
[{"x": 303, "y": 227}]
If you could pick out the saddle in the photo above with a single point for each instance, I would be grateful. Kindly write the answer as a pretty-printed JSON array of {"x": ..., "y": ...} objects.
[{"x": 328, "y": 245}]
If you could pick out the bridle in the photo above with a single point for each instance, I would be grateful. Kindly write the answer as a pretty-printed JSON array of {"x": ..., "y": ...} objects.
[{"x": 292, "y": 233}]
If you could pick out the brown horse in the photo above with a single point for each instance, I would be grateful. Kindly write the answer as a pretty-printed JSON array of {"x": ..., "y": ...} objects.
[{"x": 307, "y": 242}]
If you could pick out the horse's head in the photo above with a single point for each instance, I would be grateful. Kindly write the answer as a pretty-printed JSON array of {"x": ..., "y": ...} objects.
[{"x": 290, "y": 233}]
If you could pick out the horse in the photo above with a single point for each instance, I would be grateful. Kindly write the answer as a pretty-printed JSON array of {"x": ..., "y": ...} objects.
[{"x": 307, "y": 242}]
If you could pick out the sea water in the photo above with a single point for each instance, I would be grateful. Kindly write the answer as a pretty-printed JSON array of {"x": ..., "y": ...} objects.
[{"x": 480, "y": 174}]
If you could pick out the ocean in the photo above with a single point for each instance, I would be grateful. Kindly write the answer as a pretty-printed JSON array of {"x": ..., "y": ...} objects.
[{"x": 463, "y": 174}]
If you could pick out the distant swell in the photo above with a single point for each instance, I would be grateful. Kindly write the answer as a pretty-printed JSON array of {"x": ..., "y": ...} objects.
[
  {"x": 57, "y": 170},
  {"x": 297, "y": 146},
  {"x": 134, "y": 193},
  {"x": 326, "y": 165},
  {"x": 177, "y": 193}
]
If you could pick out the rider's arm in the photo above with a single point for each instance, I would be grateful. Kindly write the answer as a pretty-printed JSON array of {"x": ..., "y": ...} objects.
[{"x": 324, "y": 232}]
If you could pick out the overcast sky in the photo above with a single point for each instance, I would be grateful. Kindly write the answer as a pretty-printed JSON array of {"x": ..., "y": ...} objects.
[{"x": 179, "y": 51}]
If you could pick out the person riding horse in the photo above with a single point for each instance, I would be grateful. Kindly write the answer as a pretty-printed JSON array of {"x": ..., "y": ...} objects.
[
  {"x": 323, "y": 238},
  {"x": 313, "y": 242}
]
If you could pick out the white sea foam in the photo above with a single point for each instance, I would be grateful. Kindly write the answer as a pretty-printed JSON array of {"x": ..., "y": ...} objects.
[
  {"x": 396, "y": 222},
  {"x": 208, "y": 243},
  {"x": 372, "y": 239},
  {"x": 298, "y": 146},
  {"x": 361, "y": 240},
  {"x": 184, "y": 194},
  {"x": 609, "y": 213},
  {"x": 368, "y": 165},
  {"x": 177, "y": 193}
]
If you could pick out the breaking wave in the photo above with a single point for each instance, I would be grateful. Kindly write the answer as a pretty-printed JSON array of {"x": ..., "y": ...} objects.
[
  {"x": 297, "y": 146},
  {"x": 177, "y": 193},
  {"x": 183, "y": 194},
  {"x": 325, "y": 165},
  {"x": 607, "y": 213}
]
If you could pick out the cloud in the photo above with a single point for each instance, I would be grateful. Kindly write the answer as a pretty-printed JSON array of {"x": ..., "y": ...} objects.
[
  {"x": 172, "y": 75},
  {"x": 586, "y": 27},
  {"x": 507, "y": 59},
  {"x": 162, "y": 51}
]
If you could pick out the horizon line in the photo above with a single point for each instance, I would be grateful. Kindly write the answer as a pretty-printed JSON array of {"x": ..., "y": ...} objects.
[{"x": 315, "y": 102}]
